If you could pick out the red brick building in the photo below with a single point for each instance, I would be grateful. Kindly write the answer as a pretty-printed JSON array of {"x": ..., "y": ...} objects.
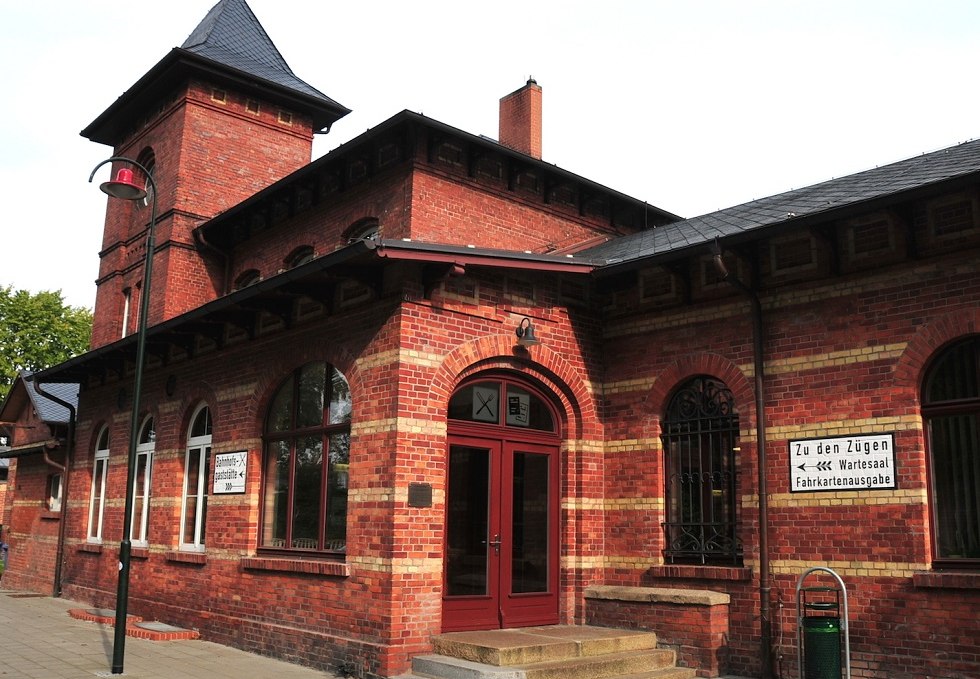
[{"x": 345, "y": 448}]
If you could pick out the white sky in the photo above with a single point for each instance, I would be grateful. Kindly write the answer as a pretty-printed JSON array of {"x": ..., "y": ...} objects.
[{"x": 690, "y": 105}]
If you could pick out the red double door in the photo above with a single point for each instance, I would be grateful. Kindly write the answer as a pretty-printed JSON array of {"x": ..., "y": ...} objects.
[{"x": 501, "y": 554}]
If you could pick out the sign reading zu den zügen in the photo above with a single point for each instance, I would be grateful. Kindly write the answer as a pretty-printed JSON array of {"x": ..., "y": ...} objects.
[{"x": 862, "y": 462}]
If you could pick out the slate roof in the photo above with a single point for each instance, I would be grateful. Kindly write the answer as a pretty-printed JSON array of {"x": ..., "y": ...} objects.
[
  {"x": 50, "y": 411},
  {"x": 811, "y": 202},
  {"x": 231, "y": 35},
  {"x": 229, "y": 46}
]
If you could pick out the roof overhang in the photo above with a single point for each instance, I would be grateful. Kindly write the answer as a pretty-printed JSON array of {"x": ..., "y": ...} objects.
[
  {"x": 175, "y": 69},
  {"x": 29, "y": 449},
  {"x": 361, "y": 261}
]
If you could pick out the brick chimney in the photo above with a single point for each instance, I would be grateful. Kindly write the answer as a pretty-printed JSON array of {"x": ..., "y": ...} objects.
[{"x": 520, "y": 119}]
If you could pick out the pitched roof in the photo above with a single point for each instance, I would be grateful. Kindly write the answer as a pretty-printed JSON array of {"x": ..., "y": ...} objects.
[
  {"x": 811, "y": 202},
  {"x": 228, "y": 46},
  {"x": 48, "y": 410},
  {"x": 231, "y": 35},
  {"x": 23, "y": 394}
]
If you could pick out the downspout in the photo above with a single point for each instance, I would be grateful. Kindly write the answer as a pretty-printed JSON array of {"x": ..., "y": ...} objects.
[
  {"x": 69, "y": 448},
  {"x": 765, "y": 588},
  {"x": 203, "y": 242}
]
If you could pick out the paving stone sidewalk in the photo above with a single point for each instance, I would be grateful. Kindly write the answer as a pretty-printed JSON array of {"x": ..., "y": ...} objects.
[{"x": 41, "y": 641}]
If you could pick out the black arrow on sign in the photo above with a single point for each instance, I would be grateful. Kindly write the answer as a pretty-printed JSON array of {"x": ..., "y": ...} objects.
[{"x": 820, "y": 466}]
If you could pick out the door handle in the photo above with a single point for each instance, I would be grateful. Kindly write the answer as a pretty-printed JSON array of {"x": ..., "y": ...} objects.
[{"x": 495, "y": 543}]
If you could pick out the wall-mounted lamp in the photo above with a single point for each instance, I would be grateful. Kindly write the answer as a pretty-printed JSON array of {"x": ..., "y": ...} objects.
[{"x": 525, "y": 333}]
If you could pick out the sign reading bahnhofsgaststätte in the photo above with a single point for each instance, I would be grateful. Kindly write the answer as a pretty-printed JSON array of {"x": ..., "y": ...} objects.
[
  {"x": 861, "y": 462},
  {"x": 229, "y": 472}
]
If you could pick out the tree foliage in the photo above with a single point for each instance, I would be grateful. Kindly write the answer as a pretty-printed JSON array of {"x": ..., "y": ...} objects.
[{"x": 38, "y": 331}]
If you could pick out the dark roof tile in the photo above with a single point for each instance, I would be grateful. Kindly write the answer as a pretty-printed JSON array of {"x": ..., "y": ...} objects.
[
  {"x": 809, "y": 201},
  {"x": 231, "y": 35}
]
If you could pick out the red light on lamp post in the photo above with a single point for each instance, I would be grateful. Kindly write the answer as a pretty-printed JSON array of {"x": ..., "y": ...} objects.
[{"x": 125, "y": 187}]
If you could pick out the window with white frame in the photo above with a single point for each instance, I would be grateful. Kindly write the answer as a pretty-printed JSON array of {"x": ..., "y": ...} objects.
[
  {"x": 193, "y": 510},
  {"x": 54, "y": 492},
  {"x": 100, "y": 466},
  {"x": 141, "y": 494}
]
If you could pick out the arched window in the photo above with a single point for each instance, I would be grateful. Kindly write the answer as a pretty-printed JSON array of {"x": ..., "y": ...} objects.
[
  {"x": 502, "y": 403},
  {"x": 148, "y": 160},
  {"x": 141, "y": 495},
  {"x": 368, "y": 228},
  {"x": 247, "y": 278},
  {"x": 951, "y": 411},
  {"x": 307, "y": 453},
  {"x": 700, "y": 436},
  {"x": 193, "y": 509},
  {"x": 96, "y": 505},
  {"x": 300, "y": 255}
]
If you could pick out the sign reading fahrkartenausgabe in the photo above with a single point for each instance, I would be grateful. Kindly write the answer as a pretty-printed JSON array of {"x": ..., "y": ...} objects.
[{"x": 862, "y": 462}]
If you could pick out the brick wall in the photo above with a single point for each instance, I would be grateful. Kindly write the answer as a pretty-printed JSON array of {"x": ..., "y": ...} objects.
[
  {"x": 844, "y": 355},
  {"x": 212, "y": 148}
]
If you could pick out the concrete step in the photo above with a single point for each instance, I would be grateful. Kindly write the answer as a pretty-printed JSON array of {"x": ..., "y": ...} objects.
[
  {"x": 540, "y": 644},
  {"x": 616, "y": 664},
  {"x": 665, "y": 673}
]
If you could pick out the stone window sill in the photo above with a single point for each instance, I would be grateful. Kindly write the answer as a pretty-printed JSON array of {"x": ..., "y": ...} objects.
[
  {"x": 302, "y": 566},
  {"x": 141, "y": 553},
  {"x": 946, "y": 579},
  {"x": 90, "y": 548},
  {"x": 690, "y": 572},
  {"x": 48, "y": 515},
  {"x": 198, "y": 558}
]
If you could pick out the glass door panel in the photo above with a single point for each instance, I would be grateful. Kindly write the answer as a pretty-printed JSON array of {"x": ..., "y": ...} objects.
[
  {"x": 529, "y": 523},
  {"x": 467, "y": 521}
]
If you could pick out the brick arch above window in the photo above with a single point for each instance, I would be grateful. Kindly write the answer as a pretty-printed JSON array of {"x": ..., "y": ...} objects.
[
  {"x": 257, "y": 405},
  {"x": 552, "y": 371},
  {"x": 247, "y": 278},
  {"x": 367, "y": 228},
  {"x": 928, "y": 340},
  {"x": 300, "y": 255},
  {"x": 719, "y": 367}
]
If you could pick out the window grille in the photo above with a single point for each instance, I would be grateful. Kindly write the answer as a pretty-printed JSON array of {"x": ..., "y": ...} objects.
[{"x": 700, "y": 436}]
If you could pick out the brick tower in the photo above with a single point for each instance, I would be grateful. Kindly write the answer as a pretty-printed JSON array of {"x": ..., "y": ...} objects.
[{"x": 216, "y": 120}]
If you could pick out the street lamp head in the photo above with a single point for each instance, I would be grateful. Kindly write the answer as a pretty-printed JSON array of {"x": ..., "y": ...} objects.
[{"x": 124, "y": 186}]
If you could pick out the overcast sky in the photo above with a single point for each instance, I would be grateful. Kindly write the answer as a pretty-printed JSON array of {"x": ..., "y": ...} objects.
[{"x": 691, "y": 106}]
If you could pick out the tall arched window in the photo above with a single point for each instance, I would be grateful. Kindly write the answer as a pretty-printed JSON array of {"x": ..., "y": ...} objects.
[
  {"x": 307, "y": 453},
  {"x": 700, "y": 435},
  {"x": 96, "y": 505},
  {"x": 951, "y": 411},
  {"x": 193, "y": 509},
  {"x": 148, "y": 160},
  {"x": 144, "y": 472}
]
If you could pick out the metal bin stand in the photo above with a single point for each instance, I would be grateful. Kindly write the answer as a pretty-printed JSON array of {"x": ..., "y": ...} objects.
[{"x": 821, "y": 627}]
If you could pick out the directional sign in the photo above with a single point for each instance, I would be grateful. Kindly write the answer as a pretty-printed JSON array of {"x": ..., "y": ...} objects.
[
  {"x": 229, "y": 472},
  {"x": 862, "y": 462}
]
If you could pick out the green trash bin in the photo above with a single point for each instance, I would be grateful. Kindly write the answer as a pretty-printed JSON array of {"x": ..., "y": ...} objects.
[{"x": 821, "y": 643}]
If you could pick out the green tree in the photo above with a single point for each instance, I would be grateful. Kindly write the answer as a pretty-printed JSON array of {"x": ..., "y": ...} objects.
[{"x": 38, "y": 331}]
